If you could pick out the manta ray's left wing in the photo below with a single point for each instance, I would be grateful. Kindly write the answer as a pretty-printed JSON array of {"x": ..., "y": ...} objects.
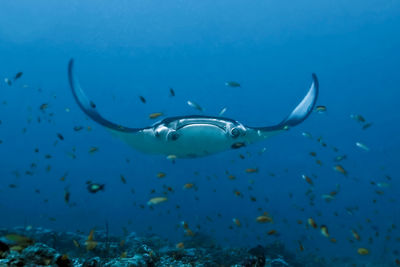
[{"x": 89, "y": 107}]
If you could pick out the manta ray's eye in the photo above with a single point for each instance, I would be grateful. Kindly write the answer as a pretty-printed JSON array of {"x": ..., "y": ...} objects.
[
  {"x": 173, "y": 135},
  {"x": 235, "y": 132}
]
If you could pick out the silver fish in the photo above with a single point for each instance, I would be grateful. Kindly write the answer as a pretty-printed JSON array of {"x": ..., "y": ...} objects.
[
  {"x": 362, "y": 146},
  {"x": 222, "y": 111},
  {"x": 194, "y": 105}
]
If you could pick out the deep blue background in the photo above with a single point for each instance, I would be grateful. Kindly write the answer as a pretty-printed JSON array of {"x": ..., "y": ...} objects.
[{"x": 124, "y": 49}]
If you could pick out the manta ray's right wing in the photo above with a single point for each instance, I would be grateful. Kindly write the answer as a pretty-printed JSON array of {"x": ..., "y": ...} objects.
[{"x": 298, "y": 115}]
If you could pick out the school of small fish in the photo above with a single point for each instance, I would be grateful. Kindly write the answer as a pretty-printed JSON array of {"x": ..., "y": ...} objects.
[{"x": 361, "y": 235}]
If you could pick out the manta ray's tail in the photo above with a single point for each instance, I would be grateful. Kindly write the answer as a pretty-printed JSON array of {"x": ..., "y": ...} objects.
[
  {"x": 300, "y": 113},
  {"x": 88, "y": 106}
]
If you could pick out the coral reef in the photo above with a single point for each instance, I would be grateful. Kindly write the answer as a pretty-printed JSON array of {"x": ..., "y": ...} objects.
[{"x": 43, "y": 247}]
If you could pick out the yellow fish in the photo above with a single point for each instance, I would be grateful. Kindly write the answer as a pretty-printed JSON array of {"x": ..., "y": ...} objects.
[
  {"x": 264, "y": 219},
  {"x": 340, "y": 169},
  {"x": 161, "y": 175},
  {"x": 90, "y": 243},
  {"x": 19, "y": 239},
  {"x": 188, "y": 186},
  {"x": 363, "y": 251},
  {"x": 312, "y": 223},
  {"x": 155, "y": 115}
]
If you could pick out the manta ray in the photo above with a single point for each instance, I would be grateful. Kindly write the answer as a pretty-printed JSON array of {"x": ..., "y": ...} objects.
[{"x": 194, "y": 135}]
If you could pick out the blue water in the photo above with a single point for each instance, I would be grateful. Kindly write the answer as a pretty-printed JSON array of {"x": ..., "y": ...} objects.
[{"x": 126, "y": 49}]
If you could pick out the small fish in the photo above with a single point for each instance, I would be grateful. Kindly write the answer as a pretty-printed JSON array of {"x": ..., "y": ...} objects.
[
  {"x": 262, "y": 151},
  {"x": 180, "y": 245},
  {"x": 238, "y": 145},
  {"x": 222, "y": 112},
  {"x": 307, "y": 179},
  {"x": 272, "y": 232},
  {"x": 362, "y": 146},
  {"x": 93, "y": 149},
  {"x": 161, "y": 175},
  {"x": 264, "y": 219},
  {"x": 319, "y": 140},
  {"x": 91, "y": 235},
  {"x": 301, "y": 247},
  {"x": 313, "y": 154},
  {"x": 67, "y": 196},
  {"x": 76, "y": 244},
  {"x": 71, "y": 155},
  {"x": 324, "y": 231},
  {"x": 8, "y": 81},
  {"x": 357, "y": 117},
  {"x": 384, "y": 185},
  {"x": 124, "y": 255},
  {"x": 188, "y": 186},
  {"x": 94, "y": 187},
  {"x": 48, "y": 168},
  {"x": 142, "y": 99},
  {"x": 307, "y": 135},
  {"x": 171, "y": 92},
  {"x": 123, "y": 180},
  {"x": 189, "y": 232},
  {"x": 155, "y": 115},
  {"x": 185, "y": 225},
  {"x": 171, "y": 157},
  {"x": 156, "y": 200},
  {"x": 312, "y": 223},
  {"x": 367, "y": 125},
  {"x": 237, "y": 222},
  {"x": 251, "y": 170},
  {"x": 60, "y": 136},
  {"x": 232, "y": 84},
  {"x": 355, "y": 235},
  {"x": 340, "y": 169},
  {"x": 43, "y": 106},
  {"x": 328, "y": 197},
  {"x": 19, "y": 239},
  {"x": 320, "y": 109},
  {"x": 340, "y": 158},
  {"x": 363, "y": 251},
  {"x": 194, "y": 105},
  {"x": 231, "y": 177},
  {"x": 90, "y": 243},
  {"x": 78, "y": 128},
  {"x": 18, "y": 75}
]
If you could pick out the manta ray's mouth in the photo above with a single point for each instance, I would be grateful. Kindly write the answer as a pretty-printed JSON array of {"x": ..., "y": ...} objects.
[{"x": 203, "y": 122}]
